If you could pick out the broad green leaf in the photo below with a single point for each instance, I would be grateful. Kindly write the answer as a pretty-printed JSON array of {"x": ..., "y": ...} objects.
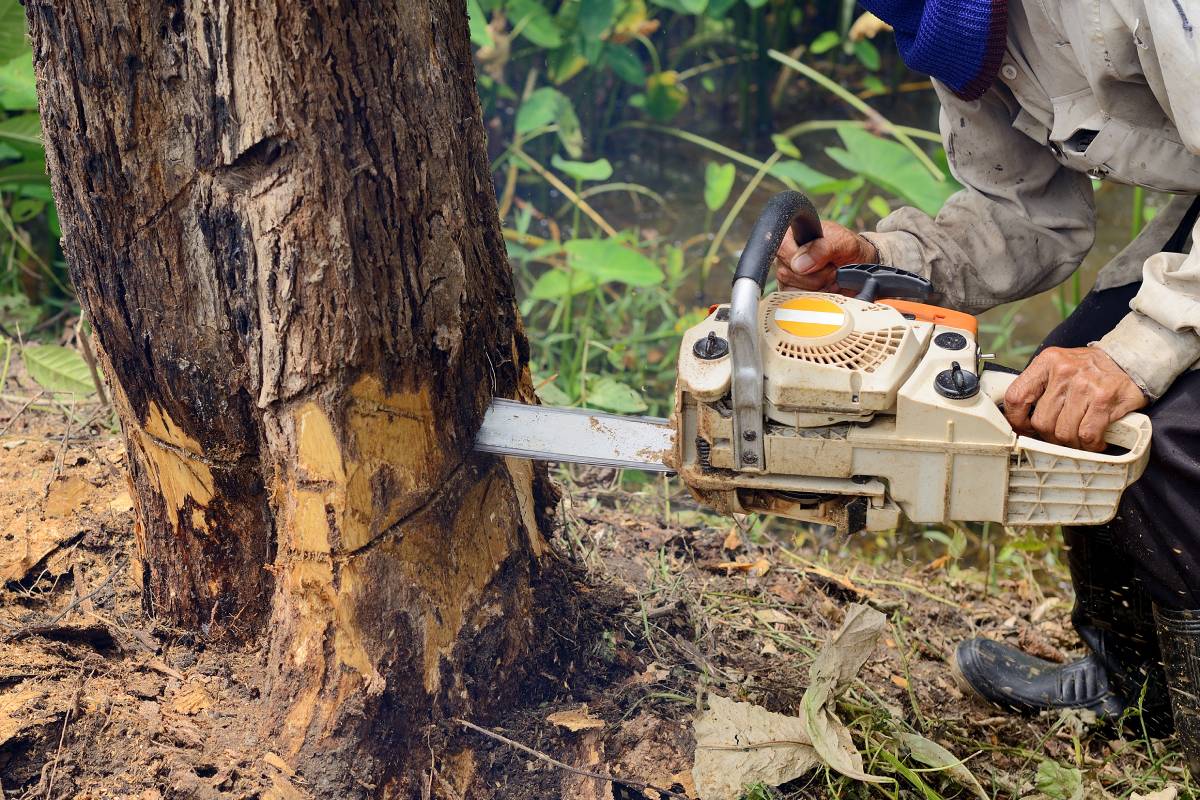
[
  {"x": 551, "y": 395},
  {"x": 23, "y": 132},
  {"x": 26, "y": 208},
  {"x": 480, "y": 35},
  {"x": 1058, "y": 782},
  {"x": 535, "y": 23},
  {"x": 756, "y": 3},
  {"x": 805, "y": 176},
  {"x": 889, "y": 165},
  {"x": 12, "y": 31},
  {"x": 867, "y": 54},
  {"x": 718, "y": 183},
  {"x": 683, "y": 6},
  {"x": 584, "y": 170},
  {"x": 17, "y": 313},
  {"x": 785, "y": 145},
  {"x": 609, "y": 261},
  {"x": 548, "y": 105},
  {"x": 625, "y": 65},
  {"x": 18, "y": 90},
  {"x": 609, "y": 394},
  {"x": 717, "y": 9},
  {"x": 595, "y": 16},
  {"x": 565, "y": 63},
  {"x": 556, "y": 284},
  {"x": 58, "y": 369},
  {"x": 23, "y": 172},
  {"x": 880, "y": 206},
  {"x": 874, "y": 84},
  {"x": 665, "y": 95},
  {"x": 825, "y": 42}
]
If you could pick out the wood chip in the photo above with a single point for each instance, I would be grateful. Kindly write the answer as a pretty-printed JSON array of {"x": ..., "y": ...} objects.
[
  {"x": 278, "y": 763},
  {"x": 192, "y": 699},
  {"x": 577, "y": 719},
  {"x": 121, "y": 503},
  {"x": 733, "y": 540}
]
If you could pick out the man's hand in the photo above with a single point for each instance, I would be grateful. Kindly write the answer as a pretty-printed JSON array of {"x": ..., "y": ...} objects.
[
  {"x": 1071, "y": 396},
  {"x": 814, "y": 266}
]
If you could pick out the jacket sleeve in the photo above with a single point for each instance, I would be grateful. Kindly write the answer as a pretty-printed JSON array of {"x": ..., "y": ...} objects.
[
  {"x": 1021, "y": 224},
  {"x": 1160, "y": 339}
]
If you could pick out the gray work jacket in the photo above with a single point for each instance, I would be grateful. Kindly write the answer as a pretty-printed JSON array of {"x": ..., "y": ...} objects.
[{"x": 1106, "y": 89}]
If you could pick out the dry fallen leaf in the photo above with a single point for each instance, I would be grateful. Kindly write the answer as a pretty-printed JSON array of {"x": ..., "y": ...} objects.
[
  {"x": 1169, "y": 793},
  {"x": 576, "y": 719},
  {"x": 740, "y": 743},
  {"x": 734, "y": 540},
  {"x": 868, "y": 26},
  {"x": 769, "y": 648},
  {"x": 771, "y": 616},
  {"x": 734, "y": 566},
  {"x": 900, "y": 680},
  {"x": 760, "y": 567}
]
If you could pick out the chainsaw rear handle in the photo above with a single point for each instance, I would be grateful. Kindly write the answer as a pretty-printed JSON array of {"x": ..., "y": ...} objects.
[
  {"x": 785, "y": 210},
  {"x": 876, "y": 281}
]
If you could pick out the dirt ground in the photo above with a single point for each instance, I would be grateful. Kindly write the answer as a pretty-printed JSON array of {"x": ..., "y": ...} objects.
[{"x": 98, "y": 700}]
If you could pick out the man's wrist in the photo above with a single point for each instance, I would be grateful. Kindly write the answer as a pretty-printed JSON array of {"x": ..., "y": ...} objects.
[{"x": 868, "y": 251}]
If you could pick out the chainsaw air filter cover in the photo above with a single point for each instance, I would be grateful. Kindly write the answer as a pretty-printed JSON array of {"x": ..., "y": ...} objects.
[{"x": 833, "y": 354}]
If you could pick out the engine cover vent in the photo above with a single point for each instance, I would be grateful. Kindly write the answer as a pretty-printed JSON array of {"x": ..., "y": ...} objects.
[
  {"x": 827, "y": 354},
  {"x": 857, "y": 351},
  {"x": 820, "y": 337}
]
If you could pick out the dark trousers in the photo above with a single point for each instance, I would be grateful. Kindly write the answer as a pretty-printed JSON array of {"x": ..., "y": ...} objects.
[{"x": 1157, "y": 528}]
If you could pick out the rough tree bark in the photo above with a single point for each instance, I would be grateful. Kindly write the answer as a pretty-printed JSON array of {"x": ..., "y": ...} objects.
[{"x": 280, "y": 220}]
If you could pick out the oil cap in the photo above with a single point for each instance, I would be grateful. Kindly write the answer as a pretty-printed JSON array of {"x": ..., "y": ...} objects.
[
  {"x": 711, "y": 347},
  {"x": 956, "y": 383}
]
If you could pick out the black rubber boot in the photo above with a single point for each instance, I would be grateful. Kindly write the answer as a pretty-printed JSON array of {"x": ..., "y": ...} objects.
[
  {"x": 1115, "y": 619},
  {"x": 1179, "y": 637}
]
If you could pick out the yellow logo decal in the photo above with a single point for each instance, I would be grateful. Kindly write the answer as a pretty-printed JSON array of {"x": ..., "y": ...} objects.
[{"x": 810, "y": 317}]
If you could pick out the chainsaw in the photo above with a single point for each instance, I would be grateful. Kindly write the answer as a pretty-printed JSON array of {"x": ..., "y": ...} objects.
[{"x": 837, "y": 410}]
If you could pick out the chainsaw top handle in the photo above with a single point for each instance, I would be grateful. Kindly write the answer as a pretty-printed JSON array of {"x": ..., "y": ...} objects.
[
  {"x": 784, "y": 210},
  {"x": 789, "y": 209}
]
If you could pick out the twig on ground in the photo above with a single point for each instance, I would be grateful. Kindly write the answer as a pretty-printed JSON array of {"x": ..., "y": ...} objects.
[
  {"x": 20, "y": 411},
  {"x": 600, "y": 776},
  {"x": 29, "y": 630}
]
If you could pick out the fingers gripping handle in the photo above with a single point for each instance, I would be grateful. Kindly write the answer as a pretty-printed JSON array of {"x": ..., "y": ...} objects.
[{"x": 789, "y": 209}]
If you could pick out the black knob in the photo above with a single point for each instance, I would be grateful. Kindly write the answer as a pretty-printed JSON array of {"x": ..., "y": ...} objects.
[
  {"x": 950, "y": 341},
  {"x": 711, "y": 347},
  {"x": 956, "y": 383}
]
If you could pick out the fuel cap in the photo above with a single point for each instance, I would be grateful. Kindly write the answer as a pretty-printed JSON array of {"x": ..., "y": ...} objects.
[{"x": 956, "y": 383}]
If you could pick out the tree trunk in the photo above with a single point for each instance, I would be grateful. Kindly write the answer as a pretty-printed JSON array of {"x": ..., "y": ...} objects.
[{"x": 280, "y": 220}]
